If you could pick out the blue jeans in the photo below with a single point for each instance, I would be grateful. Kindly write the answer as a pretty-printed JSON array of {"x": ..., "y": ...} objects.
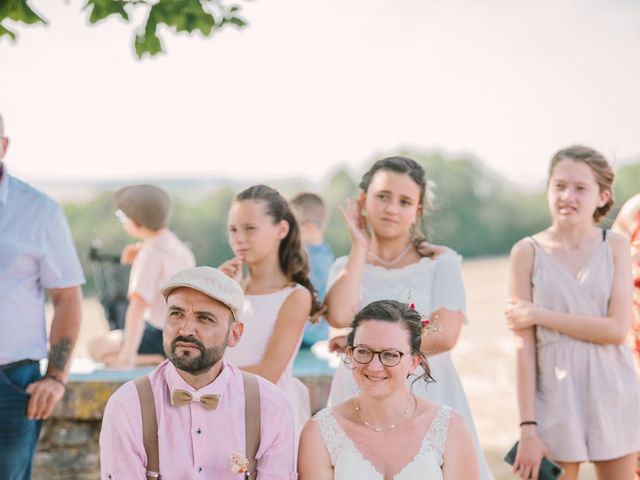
[{"x": 18, "y": 435}]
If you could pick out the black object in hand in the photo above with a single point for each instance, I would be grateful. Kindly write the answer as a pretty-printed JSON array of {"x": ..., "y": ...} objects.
[{"x": 548, "y": 469}]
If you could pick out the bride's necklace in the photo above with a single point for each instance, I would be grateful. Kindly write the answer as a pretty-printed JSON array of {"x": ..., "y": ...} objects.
[
  {"x": 389, "y": 263},
  {"x": 377, "y": 428}
]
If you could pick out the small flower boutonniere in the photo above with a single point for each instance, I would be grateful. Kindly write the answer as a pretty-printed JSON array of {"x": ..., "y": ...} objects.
[{"x": 239, "y": 464}]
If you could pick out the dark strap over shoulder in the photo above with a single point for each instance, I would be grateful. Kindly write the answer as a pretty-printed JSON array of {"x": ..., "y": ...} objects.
[
  {"x": 251, "y": 421},
  {"x": 149, "y": 426}
]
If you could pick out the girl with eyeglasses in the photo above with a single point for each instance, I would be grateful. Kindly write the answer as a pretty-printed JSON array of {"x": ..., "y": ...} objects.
[
  {"x": 391, "y": 259},
  {"x": 385, "y": 430}
]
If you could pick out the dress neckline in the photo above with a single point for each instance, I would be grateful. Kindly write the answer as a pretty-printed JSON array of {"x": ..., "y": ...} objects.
[
  {"x": 277, "y": 292},
  {"x": 576, "y": 276},
  {"x": 441, "y": 412},
  {"x": 420, "y": 262}
]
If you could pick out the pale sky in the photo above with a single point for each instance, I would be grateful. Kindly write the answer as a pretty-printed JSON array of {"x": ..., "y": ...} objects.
[{"x": 309, "y": 85}]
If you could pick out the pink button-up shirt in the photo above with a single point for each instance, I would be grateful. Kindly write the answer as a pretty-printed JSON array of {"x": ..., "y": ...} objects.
[{"x": 194, "y": 442}]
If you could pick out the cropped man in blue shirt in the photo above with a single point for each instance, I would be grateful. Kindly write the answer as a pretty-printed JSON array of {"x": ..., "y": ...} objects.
[{"x": 36, "y": 254}]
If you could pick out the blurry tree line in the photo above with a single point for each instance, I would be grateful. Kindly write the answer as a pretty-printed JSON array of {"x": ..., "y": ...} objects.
[{"x": 474, "y": 211}]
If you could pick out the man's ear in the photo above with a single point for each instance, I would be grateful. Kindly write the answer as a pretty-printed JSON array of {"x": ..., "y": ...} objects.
[{"x": 235, "y": 333}]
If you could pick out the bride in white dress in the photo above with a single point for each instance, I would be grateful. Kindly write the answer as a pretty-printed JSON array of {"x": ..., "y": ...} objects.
[
  {"x": 386, "y": 432},
  {"x": 390, "y": 259}
]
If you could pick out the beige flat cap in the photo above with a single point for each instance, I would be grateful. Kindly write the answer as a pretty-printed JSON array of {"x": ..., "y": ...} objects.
[{"x": 213, "y": 283}]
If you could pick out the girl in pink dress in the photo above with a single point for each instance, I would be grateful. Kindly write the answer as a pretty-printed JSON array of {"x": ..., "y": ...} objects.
[
  {"x": 571, "y": 308},
  {"x": 279, "y": 297}
]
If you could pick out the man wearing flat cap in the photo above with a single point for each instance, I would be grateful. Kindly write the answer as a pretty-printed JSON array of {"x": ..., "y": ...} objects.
[
  {"x": 212, "y": 420},
  {"x": 144, "y": 213}
]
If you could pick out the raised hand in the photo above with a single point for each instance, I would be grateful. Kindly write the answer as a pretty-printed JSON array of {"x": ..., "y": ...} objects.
[
  {"x": 356, "y": 222},
  {"x": 233, "y": 268}
]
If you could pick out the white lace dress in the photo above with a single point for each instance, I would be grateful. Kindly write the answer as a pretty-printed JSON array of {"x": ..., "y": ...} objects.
[
  {"x": 349, "y": 464},
  {"x": 430, "y": 284}
]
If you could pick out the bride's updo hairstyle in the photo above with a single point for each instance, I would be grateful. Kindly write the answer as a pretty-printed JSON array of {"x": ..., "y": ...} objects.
[
  {"x": 414, "y": 170},
  {"x": 395, "y": 312}
]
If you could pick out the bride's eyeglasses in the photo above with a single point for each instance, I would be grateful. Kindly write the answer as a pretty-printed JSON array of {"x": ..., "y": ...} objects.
[{"x": 364, "y": 355}]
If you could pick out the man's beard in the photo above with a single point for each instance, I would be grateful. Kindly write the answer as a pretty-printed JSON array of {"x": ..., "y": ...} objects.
[{"x": 195, "y": 364}]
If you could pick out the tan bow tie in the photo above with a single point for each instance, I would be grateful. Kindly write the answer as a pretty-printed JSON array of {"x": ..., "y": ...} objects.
[{"x": 182, "y": 397}]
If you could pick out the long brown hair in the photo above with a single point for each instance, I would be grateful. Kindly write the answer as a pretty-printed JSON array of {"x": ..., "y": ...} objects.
[
  {"x": 291, "y": 254},
  {"x": 414, "y": 170}
]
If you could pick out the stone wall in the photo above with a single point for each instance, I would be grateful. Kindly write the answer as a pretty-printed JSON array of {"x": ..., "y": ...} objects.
[{"x": 68, "y": 448}]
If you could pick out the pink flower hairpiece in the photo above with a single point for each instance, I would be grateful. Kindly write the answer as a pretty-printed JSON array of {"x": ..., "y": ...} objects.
[
  {"x": 431, "y": 325},
  {"x": 428, "y": 324}
]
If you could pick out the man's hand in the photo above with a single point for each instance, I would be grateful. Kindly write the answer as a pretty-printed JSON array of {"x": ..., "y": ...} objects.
[{"x": 45, "y": 393}]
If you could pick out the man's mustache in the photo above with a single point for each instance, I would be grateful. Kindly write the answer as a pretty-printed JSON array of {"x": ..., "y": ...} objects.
[{"x": 189, "y": 339}]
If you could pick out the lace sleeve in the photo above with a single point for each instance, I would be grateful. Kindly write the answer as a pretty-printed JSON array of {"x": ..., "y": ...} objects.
[
  {"x": 437, "y": 435},
  {"x": 330, "y": 434}
]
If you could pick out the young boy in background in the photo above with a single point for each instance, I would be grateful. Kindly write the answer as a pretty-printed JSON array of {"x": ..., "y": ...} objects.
[
  {"x": 143, "y": 211},
  {"x": 310, "y": 211}
]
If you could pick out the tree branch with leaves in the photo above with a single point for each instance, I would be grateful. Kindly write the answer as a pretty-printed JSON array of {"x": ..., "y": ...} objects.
[{"x": 204, "y": 16}]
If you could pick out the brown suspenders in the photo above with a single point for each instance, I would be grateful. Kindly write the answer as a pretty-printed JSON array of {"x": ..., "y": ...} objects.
[
  {"x": 251, "y": 421},
  {"x": 150, "y": 425}
]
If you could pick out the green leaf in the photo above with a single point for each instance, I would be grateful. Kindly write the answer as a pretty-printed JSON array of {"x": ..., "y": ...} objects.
[
  {"x": 5, "y": 31},
  {"x": 184, "y": 15},
  {"x": 147, "y": 43},
  {"x": 20, "y": 11},
  {"x": 101, "y": 9},
  {"x": 237, "y": 21}
]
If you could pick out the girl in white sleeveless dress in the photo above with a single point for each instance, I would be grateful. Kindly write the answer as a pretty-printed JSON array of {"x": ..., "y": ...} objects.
[
  {"x": 390, "y": 259},
  {"x": 279, "y": 297},
  {"x": 386, "y": 432},
  {"x": 571, "y": 308}
]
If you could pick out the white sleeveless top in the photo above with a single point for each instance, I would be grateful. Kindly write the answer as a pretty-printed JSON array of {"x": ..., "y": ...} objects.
[
  {"x": 349, "y": 464},
  {"x": 259, "y": 315}
]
